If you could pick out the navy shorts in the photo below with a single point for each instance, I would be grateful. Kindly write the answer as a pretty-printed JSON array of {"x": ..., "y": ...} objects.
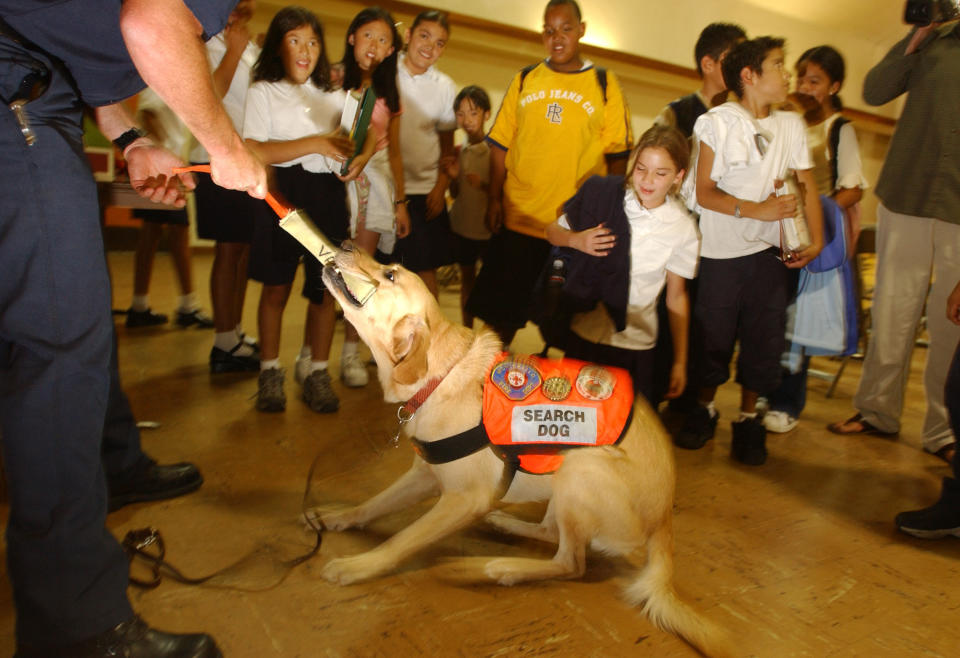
[
  {"x": 468, "y": 251},
  {"x": 177, "y": 217},
  {"x": 503, "y": 294},
  {"x": 430, "y": 243},
  {"x": 275, "y": 254},
  {"x": 224, "y": 215},
  {"x": 742, "y": 299}
]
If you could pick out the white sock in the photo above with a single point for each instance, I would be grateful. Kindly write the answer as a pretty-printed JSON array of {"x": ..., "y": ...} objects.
[
  {"x": 349, "y": 349},
  {"x": 225, "y": 340},
  {"x": 140, "y": 303},
  {"x": 305, "y": 352},
  {"x": 187, "y": 303},
  {"x": 317, "y": 365},
  {"x": 267, "y": 365},
  {"x": 747, "y": 416}
]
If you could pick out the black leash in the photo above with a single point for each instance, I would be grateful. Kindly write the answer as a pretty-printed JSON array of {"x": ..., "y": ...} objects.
[{"x": 146, "y": 544}]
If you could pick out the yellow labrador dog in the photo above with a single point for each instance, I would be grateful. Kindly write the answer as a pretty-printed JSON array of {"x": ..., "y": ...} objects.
[{"x": 615, "y": 499}]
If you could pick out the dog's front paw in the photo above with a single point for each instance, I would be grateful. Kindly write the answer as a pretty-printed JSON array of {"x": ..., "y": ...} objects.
[
  {"x": 347, "y": 570},
  {"x": 502, "y": 571},
  {"x": 331, "y": 518}
]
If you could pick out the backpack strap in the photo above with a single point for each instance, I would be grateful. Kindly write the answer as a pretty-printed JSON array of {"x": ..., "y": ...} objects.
[
  {"x": 599, "y": 70},
  {"x": 833, "y": 143}
]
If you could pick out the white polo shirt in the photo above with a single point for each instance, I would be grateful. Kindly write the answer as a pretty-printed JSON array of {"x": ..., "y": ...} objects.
[
  {"x": 661, "y": 240},
  {"x": 427, "y": 109},
  {"x": 282, "y": 111},
  {"x": 235, "y": 99}
]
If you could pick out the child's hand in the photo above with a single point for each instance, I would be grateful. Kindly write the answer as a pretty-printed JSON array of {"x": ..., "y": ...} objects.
[
  {"x": 494, "y": 217},
  {"x": 776, "y": 207},
  {"x": 801, "y": 258},
  {"x": 596, "y": 241},
  {"x": 450, "y": 165},
  {"x": 236, "y": 35},
  {"x": 335, "y": 145},
  {"x": 436, "y": 200},
  {"x": 678, "y": 380},
  {"x": 403, "y": 221},
  {"x": 355, "y": 168}
]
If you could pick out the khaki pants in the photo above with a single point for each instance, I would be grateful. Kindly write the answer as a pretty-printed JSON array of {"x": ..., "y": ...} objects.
[{"x": 910, "y": 251}]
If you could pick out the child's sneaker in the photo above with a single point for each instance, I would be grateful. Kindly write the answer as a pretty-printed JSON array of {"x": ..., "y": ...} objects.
[
  {"x": 698, "y": 428},
  {"x": 318, "y": 394},
  {"x": 270, "y": 395},
  {"x": 353, "y": 372},
  {"x": 749, "y": 445},
  {"x": 779, "y": 422},
  {"x": 941, "y": 519}
]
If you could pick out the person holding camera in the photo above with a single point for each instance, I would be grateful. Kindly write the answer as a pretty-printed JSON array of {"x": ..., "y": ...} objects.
[{"x": 918, "y": 233}]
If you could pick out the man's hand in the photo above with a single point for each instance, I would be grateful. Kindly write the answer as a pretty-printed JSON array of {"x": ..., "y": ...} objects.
[
  {"x": 236, "y": 36},
  {"x": 151, "y": 174},
  {"x": 239, "y": 169}
]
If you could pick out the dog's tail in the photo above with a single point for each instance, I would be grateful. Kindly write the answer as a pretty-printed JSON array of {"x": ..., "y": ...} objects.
[{"x": 653, "y": 590}]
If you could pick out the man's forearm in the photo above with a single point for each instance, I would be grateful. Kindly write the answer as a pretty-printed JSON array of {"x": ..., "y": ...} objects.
[{"x": 164, "y": 41}]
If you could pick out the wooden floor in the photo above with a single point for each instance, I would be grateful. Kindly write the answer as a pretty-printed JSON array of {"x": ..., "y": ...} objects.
[{"x": 798, "y": 557}]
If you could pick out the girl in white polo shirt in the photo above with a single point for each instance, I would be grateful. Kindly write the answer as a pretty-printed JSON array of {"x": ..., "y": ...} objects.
[
  {"x": 640, "y": 239},
  {"x": 291, "y": 122},
  {"x": 426, "y": 138}
]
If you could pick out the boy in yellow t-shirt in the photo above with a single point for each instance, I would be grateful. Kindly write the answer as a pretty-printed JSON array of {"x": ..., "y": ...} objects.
[{"x": 561, "y": 121}]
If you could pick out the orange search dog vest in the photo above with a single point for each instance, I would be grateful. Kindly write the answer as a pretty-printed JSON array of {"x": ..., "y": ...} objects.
[{"x": 533, "y": 408}]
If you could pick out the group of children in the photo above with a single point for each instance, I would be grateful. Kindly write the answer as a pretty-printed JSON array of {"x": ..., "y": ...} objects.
[{"x": 556, "y": 176}]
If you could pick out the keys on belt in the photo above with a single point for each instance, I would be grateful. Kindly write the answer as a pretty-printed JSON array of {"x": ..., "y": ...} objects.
[{"x": 33, "y": 85}]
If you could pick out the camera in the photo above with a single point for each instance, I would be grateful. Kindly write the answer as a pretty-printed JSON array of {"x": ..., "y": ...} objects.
[{"x": 924, "y": 12}]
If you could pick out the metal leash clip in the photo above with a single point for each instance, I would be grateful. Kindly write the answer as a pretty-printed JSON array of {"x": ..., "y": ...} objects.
[{"x": 404, "y": 417}]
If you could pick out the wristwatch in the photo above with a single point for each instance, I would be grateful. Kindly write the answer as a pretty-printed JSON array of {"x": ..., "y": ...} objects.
[{"x": 127, "y": 138}]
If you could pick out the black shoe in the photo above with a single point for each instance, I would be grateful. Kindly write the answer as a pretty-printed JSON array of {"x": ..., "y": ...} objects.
[
  {"x": 942, "y": 519},
  {"x": 192, "y": 318},
  {"x": 152, "y": 482},
  {"x": 698, "y": 428},
  {"x": 224, "y": 361},
  {"x": 133, "y": 639},
  {"x": 148, "y": 318},
  {"x": 749, "y": 444}
]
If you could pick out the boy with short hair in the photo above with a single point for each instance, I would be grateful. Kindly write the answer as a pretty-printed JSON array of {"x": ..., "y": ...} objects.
[
  {"x": 745, "y": 151},
  {"x": 560, "y": 120},
  {"x": 712, "y": 46}
]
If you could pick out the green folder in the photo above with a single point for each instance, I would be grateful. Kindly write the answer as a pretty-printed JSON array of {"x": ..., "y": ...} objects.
[{"x": 362, "y": 111}]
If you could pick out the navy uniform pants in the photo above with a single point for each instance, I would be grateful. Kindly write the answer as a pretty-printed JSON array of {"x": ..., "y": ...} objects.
[{"x": 68, "y": 573}]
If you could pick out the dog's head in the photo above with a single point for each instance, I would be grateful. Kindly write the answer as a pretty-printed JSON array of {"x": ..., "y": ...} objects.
[{"x": 396, "y": 321}]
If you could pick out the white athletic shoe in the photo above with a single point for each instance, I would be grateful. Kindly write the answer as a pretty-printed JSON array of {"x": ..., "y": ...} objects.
[
  {"x": 779, "y": 421},
  {"x": 353, "y": 372}
]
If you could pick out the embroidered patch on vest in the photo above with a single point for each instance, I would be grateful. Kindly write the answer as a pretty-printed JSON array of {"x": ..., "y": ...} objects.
[
  {"x": 595, "y": 382},
  {"x": 557, "y": 388},
  {"x": 516, "y": 379}
]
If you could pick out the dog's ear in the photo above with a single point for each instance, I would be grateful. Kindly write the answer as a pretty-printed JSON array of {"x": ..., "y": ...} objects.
[{"x": 411, "y": 340}]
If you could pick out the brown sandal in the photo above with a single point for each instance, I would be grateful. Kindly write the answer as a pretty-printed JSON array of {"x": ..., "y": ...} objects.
[{"x": 865, "y": 427}]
